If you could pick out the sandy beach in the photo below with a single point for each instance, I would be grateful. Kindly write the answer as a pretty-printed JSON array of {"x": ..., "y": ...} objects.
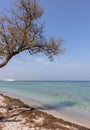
[
  {"x": 15, "y": 115},
  {"x": 67, "y": 116}
]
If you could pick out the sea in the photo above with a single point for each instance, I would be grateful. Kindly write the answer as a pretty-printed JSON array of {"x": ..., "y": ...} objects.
[{"x": 70, "y": 97}]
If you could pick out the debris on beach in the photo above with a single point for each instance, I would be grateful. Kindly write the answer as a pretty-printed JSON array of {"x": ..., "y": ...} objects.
[{"x": 15, "y": 115}]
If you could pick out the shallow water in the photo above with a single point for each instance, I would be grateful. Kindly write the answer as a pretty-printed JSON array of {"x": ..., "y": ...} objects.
[{"x": 59, "y": 96}]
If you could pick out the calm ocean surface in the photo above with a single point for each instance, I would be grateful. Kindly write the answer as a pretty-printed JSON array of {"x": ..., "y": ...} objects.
[{"x": 74, "y": 96}]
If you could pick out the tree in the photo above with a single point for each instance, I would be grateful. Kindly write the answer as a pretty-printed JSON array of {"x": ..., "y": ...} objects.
[{"x": 21, "y": 30}]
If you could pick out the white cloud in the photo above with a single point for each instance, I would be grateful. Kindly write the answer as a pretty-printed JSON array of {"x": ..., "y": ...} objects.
[
  {"x": 42, "y": 61},
  {"x": 58, "y": 64},
  {"x": 69, "y": 65},
  {"x": 39, "y": 60}
]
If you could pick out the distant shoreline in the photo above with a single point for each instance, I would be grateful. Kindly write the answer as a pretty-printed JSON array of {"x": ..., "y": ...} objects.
[{"x": 45, "y": 80}]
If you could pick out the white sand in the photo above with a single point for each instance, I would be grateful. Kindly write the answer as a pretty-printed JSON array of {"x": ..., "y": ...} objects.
[
  {"x": 15, "y": 126},
  {"x": 11, "y": 125},
  {"x": 39, "y": 120},
  {"x": 21, "y": 122}
]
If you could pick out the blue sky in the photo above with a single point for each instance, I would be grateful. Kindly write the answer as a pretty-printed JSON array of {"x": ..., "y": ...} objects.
[{"x": 70, "y": 20}]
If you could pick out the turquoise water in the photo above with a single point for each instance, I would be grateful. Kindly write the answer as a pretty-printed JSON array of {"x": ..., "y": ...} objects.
[{"x": 73, "y": 96}]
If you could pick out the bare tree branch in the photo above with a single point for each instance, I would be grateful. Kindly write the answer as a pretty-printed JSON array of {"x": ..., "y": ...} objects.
[{"x": 21, "y": 31}]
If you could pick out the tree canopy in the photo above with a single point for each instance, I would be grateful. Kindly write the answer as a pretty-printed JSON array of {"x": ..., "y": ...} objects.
[{"x": 21, "y": 30}]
